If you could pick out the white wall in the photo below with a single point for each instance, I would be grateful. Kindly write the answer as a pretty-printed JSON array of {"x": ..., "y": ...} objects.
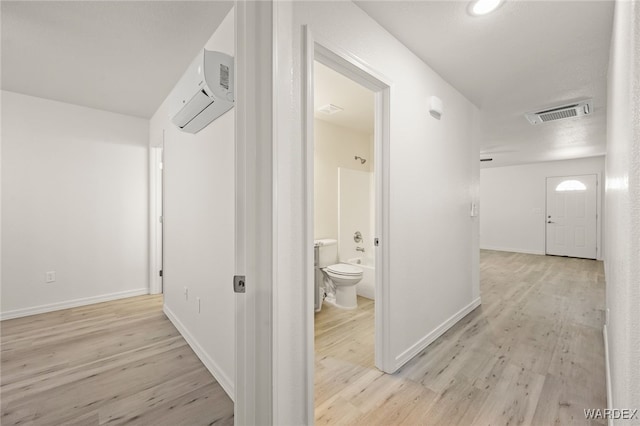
[
  {"x": 433, "y": 273},
  {"x": 199, "y": 229},
  {"x": 74, "y": 201},
  {"x": 430, "y": 228},
  {"x": 622, "y": 257},
  {"x": 513, "y": 203},
  {"x": 355, "y": 191},
  {"x": 335, "y": 146}
]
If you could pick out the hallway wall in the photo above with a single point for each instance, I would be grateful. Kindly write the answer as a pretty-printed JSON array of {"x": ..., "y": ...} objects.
[
  {"x": 622, "y": 262},
  {"x": 513, "y": 203},
  {"x": 199, "y": 171},
  {"x": 434, "y": 172}
]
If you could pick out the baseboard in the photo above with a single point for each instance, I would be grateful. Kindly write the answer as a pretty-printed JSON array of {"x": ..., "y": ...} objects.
[
  {"x": 18, "y": 313},
  {"x": 513, "y": 250},
  {"x": 415, "y": 349},
  {"x": 211, "y": 365},
  {"x": 607, "y": 368}
]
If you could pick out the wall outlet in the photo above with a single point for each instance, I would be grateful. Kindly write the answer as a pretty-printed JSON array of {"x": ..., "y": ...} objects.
[
  {"x": 198, "y": 300},
  {"x": 186, "y": 293},
  {"x": 50, "y": 277}
]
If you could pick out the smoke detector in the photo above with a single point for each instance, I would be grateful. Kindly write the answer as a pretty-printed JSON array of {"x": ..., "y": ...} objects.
[
  {"x": 330, "y": 109},
  {"x": 576, "y": 109}
]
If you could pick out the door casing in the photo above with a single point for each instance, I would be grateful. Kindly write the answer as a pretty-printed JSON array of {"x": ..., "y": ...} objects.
[
  {"x": 316, "y": 48},
  {"x": 155, "y": 218}
]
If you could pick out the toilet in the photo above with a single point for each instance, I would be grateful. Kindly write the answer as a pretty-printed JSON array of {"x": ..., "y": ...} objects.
[{"x": 343, "y": 277}]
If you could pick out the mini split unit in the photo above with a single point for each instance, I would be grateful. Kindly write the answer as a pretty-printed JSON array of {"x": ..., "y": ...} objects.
[
  {"x": 204, "y": 93},
  {"x": 575, "y": 109}
]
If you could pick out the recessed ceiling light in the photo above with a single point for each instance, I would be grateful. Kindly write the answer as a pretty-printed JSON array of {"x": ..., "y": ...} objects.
[{"x": 482, "y": 7}]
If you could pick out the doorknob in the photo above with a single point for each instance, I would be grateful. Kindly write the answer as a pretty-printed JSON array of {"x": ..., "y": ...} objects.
[{"x": 550, "y": 221}]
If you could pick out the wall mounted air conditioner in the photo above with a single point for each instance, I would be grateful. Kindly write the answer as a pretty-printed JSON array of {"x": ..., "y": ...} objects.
[{"x": 204, "y": 93}]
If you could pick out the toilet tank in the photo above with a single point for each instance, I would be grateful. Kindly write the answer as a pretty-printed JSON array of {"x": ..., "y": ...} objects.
[{"x": 328, "y": 252}]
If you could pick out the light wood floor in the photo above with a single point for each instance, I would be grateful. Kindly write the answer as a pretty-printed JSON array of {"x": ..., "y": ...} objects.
[
  {"x": 110, "y": 363},
  {"x": 532, "y": 354}
]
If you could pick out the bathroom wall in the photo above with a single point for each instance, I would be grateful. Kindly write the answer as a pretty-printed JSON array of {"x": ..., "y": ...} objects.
[
  {"x": 199, "y": 230},
  {"x": 356, "y": 193},
  {"x": 74, "y": 201},
  {"x": 335, "y": 146},
  {"x": 513, "y": 202}
]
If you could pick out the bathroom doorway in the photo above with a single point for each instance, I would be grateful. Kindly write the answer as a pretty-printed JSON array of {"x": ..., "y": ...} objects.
[
  {"x": 344, "y": 218},
  {"x": 347, "y": 110}
]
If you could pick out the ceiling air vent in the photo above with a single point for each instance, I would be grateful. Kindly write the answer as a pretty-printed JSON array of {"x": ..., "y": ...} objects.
[
  {"x": 576, "y": 109},
  {"x": 330, "y": 109}
]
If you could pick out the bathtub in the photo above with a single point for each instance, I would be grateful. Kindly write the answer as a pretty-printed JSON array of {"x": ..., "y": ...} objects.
[{"x": 366, "y": 287}]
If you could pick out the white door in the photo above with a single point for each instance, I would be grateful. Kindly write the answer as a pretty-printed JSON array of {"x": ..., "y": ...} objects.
[{"x": 571, "y": 216}]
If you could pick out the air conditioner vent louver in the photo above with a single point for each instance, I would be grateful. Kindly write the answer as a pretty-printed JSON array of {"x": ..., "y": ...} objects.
[{"x": 560, "y": 113}]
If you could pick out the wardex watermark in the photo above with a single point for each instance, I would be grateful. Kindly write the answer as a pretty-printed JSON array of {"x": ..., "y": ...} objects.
[{"x": 611, "y": 413}]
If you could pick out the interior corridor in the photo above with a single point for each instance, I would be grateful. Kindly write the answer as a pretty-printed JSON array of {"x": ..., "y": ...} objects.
[{"x": 531, "y": 354}]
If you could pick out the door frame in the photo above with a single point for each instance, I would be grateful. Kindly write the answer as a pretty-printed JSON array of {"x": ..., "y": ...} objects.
[
  {"x": 156, "y": 200},
  {"x": 599, "y": 210},
  {"x": 255, "y": 135},
  {"x": 270, "y": 342},
  {"x": 342, "y": 61}
]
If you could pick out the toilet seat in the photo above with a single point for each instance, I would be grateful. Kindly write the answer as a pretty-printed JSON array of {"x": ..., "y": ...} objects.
[{"x": 344, "y": 270}]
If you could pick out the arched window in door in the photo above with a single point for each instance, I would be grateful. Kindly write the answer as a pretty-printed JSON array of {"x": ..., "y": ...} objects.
[{"x": 571, "y": 185}]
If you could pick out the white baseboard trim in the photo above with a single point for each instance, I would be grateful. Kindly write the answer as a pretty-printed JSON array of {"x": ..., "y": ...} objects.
[
  {"x": 23, "y": 312},
  {"x": 416, "y": 348},
  {"x": 607, "y": 367},
  {"x": 513, "y": 250},
  {"x": 211, "y": 365}
]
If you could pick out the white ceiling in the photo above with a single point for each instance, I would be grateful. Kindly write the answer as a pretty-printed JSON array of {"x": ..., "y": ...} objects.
[
  {"x": 526, "y": 56},
  {"x": 120, "y": 56},
  {"x": 357, "y": 102}
]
